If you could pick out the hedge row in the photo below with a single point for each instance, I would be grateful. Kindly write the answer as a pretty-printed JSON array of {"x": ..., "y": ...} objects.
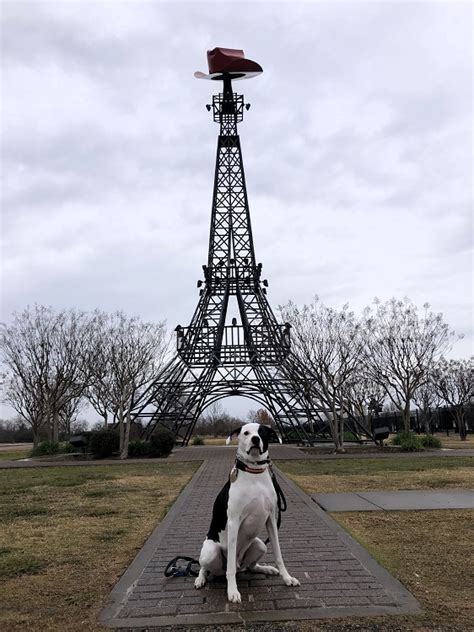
[
  {"x": 106, "y": 443},
  {"x": 410, "y": 442}
]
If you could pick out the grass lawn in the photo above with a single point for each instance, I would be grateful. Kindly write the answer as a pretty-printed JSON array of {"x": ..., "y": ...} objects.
[
  {"x": 11, "y": 455},
  {"x": 430, "y": 552},
  {"x": 67, "y": 534},
  {"x": 453, "y": 441},
  {"x": 351, "y": 475}
]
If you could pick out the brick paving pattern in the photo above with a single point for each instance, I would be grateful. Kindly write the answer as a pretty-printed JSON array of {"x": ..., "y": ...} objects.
[{"x": 337, "y": 576}]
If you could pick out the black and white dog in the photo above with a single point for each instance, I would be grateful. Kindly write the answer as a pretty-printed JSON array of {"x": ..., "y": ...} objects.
[{"x": 246, "y": 504}]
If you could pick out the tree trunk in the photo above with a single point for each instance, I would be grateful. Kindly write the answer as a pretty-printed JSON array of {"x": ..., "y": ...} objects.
[
  {"x": 126, "y": 437},
  {"x": 461, "y": 422},
  {"x": 36, "y": 437},
  {"x": 341, "y": 432},
  {"x": 55, "y": 426},
  {"x": 426, "y": 420},
  {"x": 106, "y": 420},
  {"x": 49, "y": 428},
  {"x": 334, "y": 432},
  {"x": 406, "y": 415},
  {"x": 121, "y": 428}
]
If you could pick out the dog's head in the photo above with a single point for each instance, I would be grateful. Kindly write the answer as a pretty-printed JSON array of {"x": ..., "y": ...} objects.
[{"x": 253, "y": 440}]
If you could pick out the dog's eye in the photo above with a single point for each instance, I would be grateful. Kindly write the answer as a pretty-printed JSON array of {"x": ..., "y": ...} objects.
[{"x": 246, "y": 432}]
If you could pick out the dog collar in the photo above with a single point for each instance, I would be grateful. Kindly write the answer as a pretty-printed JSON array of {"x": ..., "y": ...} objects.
[
  {"x": 240, "y": 465},
  {"x": 243, "y": 459}
]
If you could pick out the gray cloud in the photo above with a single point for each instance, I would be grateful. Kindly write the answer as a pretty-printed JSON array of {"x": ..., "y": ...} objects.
[{"x": 357, "y": 152}]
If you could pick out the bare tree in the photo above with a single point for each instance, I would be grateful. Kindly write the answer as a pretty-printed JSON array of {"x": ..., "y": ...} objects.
[
  {"x": 68, "y": 343},
  {"x": 260, "y": 416},
  {"x": 100, "y": 389},
  {"x": 44, "y": 351},
  {"x": 453, "y": 383},
  {"x": 23, "y": 393},
  {"x": 426, "y": 397},
  {"x": 364, "y": 396},
  {"x": 215, "y": 421},
  {"x": 25, "y": 359},
  {"x": 401, "y": 347},
  {"x": 129, "y": 355},
  {"x": 69, "y": 412},
  {"x": 329, "y": 344}
]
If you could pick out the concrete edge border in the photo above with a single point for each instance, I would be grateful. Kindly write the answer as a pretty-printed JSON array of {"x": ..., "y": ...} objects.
[
  {"x": 360, "y": 504},
  {"x": 127, "y": 581},
  {"x": 244, "y": 617},
  {"x": 408, "y": 603}
]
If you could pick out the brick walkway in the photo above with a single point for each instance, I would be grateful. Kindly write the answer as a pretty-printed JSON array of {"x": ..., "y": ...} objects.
[{"x": 338, "y": 577}]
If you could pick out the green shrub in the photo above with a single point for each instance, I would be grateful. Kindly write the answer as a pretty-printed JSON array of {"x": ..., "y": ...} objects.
[
  {"x": 161, "y": 443},
  {"x": 197, "y": 440},
  {"x": 137, "y": 449},
  {"x": 350, "y": 437},
  {"x": 45, "y": 448},
  {"x": 428, "y": 441},
  {"x": 103, "y": 443},
  {"x": 408, "y": 442},
  {"x": 66, "y": 448},
  {"x": 401, "y": 436}
]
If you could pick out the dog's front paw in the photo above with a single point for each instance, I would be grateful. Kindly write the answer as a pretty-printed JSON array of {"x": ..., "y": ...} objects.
[
  {"x": 199, "y": 582},
  {"x": 233, "y": 595},
  {"x": 291, "y": 581}
]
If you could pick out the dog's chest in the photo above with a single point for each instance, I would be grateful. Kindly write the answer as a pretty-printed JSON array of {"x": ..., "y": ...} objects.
[{"x": 252, "y": 496}]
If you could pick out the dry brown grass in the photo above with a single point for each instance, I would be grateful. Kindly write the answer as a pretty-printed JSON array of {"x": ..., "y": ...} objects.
[
  {"x": 214, "y": 440},
  {"x": 69, "y": 533},
  {"x": 454, "y": 442},
  {"x": 351, "y": 475},
  {"x": 430, "y": 552}
]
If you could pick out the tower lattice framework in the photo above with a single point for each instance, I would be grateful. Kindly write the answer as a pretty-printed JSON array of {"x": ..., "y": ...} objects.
[{"x": 234, "y": 344}]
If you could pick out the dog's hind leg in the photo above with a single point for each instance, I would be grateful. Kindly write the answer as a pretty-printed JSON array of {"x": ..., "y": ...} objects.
[
  {"x": 253, "y": 554},
  {"x": 210, "y": 561}
]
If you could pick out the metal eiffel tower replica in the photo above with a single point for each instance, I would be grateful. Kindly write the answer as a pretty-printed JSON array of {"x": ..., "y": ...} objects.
[{"x": 234, "y": 344}]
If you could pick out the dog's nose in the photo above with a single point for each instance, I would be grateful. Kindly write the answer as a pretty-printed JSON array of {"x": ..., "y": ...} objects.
[{"x": 256, "y": 441}]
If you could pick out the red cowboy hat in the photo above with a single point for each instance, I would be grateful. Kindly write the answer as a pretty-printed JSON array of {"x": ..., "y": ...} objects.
[{"x": 230, "y": 61}]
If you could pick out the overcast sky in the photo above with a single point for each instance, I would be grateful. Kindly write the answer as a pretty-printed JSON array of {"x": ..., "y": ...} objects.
[{"x": 357, "y": 152}]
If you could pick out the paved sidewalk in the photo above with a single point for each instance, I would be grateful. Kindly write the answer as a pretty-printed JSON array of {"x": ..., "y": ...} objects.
[
  {"x": 397, "y": 500},
  {"x": 338, "y": 577}
]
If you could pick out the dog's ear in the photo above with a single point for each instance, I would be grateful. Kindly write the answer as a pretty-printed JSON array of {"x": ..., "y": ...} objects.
[
  {"x": 270, "y": 434},
  {"x": 275, "y": 434},
  {"x": 233, "y": 434}
]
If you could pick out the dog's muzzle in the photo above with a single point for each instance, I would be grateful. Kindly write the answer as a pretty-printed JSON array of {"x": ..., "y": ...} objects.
[{"x": 255, "y": 445}]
